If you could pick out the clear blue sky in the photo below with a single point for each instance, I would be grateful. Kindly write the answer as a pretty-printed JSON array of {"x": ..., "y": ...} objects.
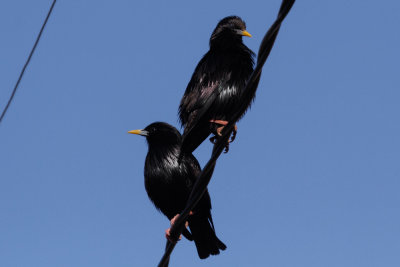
[{"x": 312, "y": 179}]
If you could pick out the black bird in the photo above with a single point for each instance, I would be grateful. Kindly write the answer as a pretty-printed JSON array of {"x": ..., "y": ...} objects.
[
  {"x": 217, "y": 84},
  {"x": 168, "y": 184}
]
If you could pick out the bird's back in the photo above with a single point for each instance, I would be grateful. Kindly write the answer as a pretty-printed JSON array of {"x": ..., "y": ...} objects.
[{"x": 218, "y": 72}]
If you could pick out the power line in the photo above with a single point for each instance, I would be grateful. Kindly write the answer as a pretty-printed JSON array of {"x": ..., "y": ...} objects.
[
  {"x": 27, "y": 61},
  {"x": 201, "y": 183}
]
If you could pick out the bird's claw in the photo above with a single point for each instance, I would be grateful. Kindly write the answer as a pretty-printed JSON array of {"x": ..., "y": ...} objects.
[
  {"x": 233, "y": 136},
  {"x": 214, "y": 139},
  {"x": 168, "y": 231},
  {"x": 170, "y": 239}
]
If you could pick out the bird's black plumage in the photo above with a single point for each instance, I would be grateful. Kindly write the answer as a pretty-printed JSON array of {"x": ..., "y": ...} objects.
[
  {"x": 169, "y": 183},
  {"x": 217, "y": 83}
]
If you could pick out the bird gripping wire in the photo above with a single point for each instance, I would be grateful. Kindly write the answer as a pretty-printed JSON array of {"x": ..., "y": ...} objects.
[{"x": 202, "y": 181}]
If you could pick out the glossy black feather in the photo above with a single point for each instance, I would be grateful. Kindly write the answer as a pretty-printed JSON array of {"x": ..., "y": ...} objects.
[
  {"x": 217, "y": 83},
  {"x": 169, "y": 183}
]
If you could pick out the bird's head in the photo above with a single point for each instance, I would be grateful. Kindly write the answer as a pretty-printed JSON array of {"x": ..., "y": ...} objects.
[
  {"x": 160, "y": 133},
  {"x": 230, "y": 29}
]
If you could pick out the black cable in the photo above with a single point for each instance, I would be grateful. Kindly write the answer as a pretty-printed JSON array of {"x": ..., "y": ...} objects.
[
  {"x": 27, "y": 62},
  {"x": 201, "y": 183}
]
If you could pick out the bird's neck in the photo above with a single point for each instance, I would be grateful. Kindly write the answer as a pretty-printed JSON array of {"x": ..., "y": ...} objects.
[
  {"x": 226, "y": 42},
  {"x": 162, "y": 152},
  {"x": 227, "y": 49}
]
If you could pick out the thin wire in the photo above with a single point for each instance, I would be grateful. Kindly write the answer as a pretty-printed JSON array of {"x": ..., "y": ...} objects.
[
  {"x": 27, "y": 62},
  {"x": 201, "y": 183}
]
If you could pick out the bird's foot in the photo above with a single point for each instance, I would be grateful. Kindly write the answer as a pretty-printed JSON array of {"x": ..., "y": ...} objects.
[
  {"x": 219, "y": 130},
  {"x": 214, "y": 140},
  {"x": 233, "y": 136},
  {"x": 168, "y": 231}
]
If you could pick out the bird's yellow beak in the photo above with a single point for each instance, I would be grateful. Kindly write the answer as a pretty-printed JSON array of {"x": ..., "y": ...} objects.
[
  {"x": 139, "y": 132},
  {"x": 245, "y": 33}
]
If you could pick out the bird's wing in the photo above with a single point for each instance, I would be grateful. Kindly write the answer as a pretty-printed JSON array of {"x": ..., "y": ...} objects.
[
  {"x": 199, "y": 102},
  {"x": 202, "y": 84},
  {"x": 199, "y": 112}
]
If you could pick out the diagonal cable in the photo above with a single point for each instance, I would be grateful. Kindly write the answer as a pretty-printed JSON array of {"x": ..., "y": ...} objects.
[
  {"x": 27, "y": 61},
  {"x": 201, "y": 183}
]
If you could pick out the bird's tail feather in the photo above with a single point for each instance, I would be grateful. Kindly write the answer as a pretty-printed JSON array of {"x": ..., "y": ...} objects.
[
  {"x": 187, "y": 234},
  {"x": 207, "y": 243},
  {"x": 193, "y": 137}
]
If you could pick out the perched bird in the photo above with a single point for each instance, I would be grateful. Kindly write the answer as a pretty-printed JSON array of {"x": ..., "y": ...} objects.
[
  {"x": 169, "y": 183},
  {"x": 217, "y": 83}
]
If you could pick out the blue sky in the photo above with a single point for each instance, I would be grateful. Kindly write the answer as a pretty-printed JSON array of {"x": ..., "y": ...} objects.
[{"x": 311, "y": 180}]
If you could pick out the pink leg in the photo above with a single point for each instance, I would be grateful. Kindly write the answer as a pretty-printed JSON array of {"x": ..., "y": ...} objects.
[
  {"x": 168, "y": 231},
  {"x": 221, "y": 122}
]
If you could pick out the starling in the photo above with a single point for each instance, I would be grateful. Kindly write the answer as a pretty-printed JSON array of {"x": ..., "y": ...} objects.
[
  {"x": 214, "y": 91},
  {"x": 169, "y": 183}
]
